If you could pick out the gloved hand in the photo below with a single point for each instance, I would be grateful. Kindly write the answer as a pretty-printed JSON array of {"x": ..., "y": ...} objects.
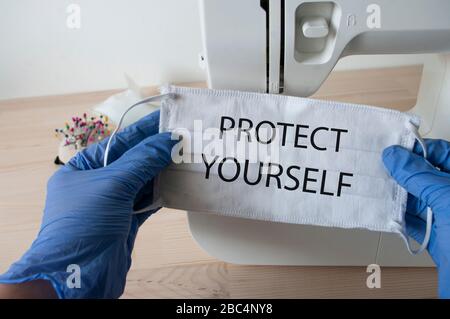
[
  {"x": 88, "y": 218},
  {"x": 428, "y": 185}
]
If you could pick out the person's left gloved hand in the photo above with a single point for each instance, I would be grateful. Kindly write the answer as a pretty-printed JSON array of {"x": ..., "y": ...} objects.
[{"x": 88, "y": 218}]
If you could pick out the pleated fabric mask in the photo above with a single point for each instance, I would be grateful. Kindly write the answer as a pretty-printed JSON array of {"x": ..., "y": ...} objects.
[{"x": 285, "y": 159}]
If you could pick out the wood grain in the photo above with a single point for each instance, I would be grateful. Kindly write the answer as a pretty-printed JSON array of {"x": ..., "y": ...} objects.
[{"x": 167, "y": 263}]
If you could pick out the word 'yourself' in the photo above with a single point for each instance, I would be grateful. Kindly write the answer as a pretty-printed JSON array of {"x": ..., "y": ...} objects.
[{"x": 291, "y": 178}]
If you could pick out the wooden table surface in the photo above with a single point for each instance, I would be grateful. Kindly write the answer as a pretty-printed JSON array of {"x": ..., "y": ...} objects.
[{"x": 167, "y": 262}]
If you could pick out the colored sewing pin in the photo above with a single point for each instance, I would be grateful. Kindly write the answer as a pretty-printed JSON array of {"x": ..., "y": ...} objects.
[{"x": 84, "y": 131}]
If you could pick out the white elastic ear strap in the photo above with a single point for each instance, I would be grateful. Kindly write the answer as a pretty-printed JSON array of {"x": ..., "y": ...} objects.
[
  {"x": 154, "y": 98},
  {"x": 426, "y": 238},
  {"x": 144, "y": 101}
]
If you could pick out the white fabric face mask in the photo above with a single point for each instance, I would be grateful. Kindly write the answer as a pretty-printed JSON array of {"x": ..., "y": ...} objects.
[{"x": 317, "y": 162}]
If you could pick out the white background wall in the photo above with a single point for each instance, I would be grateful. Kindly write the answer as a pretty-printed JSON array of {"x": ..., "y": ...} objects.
[{"x": 153, "y": 41}]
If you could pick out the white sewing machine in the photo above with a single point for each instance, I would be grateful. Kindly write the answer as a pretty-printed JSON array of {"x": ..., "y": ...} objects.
[{"x": 290, "y": 47}]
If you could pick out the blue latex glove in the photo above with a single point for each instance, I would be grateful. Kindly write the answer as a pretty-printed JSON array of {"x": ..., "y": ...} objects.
[
  {"x": 88, "y": 218},
  {"x": 428, "y": 184}
]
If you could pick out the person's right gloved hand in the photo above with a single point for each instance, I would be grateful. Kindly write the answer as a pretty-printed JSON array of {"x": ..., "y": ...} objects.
[{"x": 428, "y": 185}]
